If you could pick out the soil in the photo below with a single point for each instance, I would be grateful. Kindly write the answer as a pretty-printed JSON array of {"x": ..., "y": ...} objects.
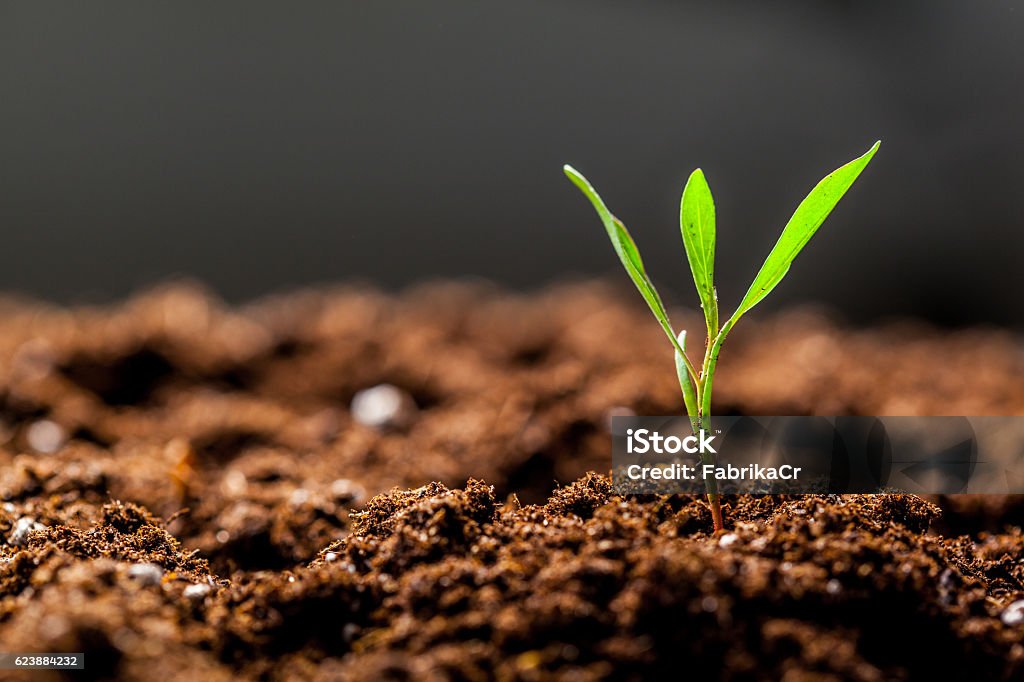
[{"x": 187, "y": 494}]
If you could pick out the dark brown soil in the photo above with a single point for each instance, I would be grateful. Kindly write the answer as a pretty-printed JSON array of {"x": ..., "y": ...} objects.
[{"x": 177, "y": 480}]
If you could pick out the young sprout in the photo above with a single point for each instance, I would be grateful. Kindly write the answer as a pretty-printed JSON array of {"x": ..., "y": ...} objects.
[{"x": 697, "y": 223}]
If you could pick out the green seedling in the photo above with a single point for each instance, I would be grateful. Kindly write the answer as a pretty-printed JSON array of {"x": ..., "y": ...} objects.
[{"x": 697, "y": 223}]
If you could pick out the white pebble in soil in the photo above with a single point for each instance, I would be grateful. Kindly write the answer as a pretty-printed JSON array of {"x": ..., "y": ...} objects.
[
  {"x": 22, "y": 527},
  {"x": 46, "y": 436},
  {"x": 1014, "y": 613},
  {"x": 728, "y": 539},
  {"x": 350, "y": 631},
  {"x": 383, "y": 406},
  {"x": 234, "y": 483},
  {"x": 146, "y": 574},
  {"x": 346, "y": 490},
  {"x": 196, "y": 592}
]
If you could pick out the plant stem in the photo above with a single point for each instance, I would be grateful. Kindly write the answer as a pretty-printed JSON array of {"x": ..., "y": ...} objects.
[
  {"x": 696, "y": 388},
  {"x": 703, "y": 390},
  {"x": 714, "y": 499}
]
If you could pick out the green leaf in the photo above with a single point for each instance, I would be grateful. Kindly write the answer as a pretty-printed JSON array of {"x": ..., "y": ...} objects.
[
  {"x": 686, "y": 384},
  {"x": 697, "y": 223},
  {"x": 626, "y": 249},
  {"x": 809, "y": 216}
]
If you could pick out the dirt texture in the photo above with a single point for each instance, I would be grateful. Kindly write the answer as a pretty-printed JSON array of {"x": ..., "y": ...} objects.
[{"x": 191, "y": 491}]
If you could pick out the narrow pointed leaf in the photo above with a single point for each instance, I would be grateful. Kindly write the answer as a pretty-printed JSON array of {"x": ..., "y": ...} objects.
[
  {"x": 809, "y": 216},
  {"x": 627, "y": 252},
  {"x": 697, "y": 224},
  {"x": 686, "y": 383}
]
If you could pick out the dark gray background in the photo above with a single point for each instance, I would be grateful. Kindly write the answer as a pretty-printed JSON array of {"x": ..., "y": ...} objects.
[{"x": 263, "y": 146}]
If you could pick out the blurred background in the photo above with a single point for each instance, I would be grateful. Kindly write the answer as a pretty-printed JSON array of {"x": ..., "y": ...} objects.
[{"x": 261, "y": 147}]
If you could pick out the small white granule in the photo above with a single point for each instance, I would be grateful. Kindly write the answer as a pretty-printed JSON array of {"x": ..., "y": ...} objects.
[
  {"x": 382, "y": 406},
  {"x": 234, "y": 483},
  {"x": 728, "y": 539},
  {"x": 46, "y": 436},
  {"x": 1014, "y": 613},
  {"x": 347, "y": 490},
  {"x": 22, "y": 527},
  {"x": 196, "y": 592},
  {"x": 146, "y": 574}
]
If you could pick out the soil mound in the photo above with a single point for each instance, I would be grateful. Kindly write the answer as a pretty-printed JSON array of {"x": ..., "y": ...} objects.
[{"x": 190, "y": 491}]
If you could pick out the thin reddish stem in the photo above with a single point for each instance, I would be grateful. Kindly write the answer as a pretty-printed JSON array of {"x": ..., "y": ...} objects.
[{"x": 715, "y": 501}]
